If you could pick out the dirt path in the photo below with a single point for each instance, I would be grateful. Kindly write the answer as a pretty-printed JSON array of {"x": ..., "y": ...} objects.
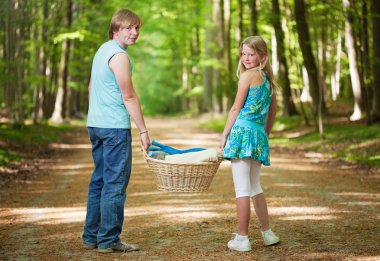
[{"x": 321, "y": 212}]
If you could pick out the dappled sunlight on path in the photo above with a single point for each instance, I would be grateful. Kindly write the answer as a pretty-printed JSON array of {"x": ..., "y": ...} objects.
[
  {"x": 43, "y": 216},
  {"x": 319, "y": 211}
]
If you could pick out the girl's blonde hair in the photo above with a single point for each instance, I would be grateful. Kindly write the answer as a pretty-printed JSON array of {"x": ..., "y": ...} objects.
[
  {"x": 260, "y": 47},
  {"x": 123, "y": 17}
]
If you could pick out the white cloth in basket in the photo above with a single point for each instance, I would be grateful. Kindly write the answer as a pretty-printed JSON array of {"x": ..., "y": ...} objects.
[{"x": 193, "y": 157}]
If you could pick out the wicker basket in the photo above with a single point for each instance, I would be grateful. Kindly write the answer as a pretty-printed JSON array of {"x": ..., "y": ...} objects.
[{"x": 194, "y": 177}]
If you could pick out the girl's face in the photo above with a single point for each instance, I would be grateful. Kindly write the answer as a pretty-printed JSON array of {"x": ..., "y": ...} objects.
[{"x": 249, "y": 58}]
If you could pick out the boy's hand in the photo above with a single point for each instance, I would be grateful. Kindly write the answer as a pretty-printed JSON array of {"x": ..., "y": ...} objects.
[{"x": 145, "y": 141}]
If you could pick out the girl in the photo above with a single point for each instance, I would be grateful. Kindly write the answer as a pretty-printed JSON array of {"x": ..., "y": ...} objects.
[{"x": 245, "y": 138}]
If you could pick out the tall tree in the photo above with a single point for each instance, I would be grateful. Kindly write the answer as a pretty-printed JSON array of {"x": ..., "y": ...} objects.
[
  {"x": 61, "y": 99},
  {"x": 322, "y": 50},
  {"x": 207, "y": 69},
  {"x": 239, "y": 26},
  {"x": 11, "y": 83},
  {"x": 3, "y": 46},
  {"x": 309, "y": 61},
  {"x": 218, "y": 55},
  {"x": 40, "y": 36},
  {"x": 22, "y": 33},
  {"x": 195, "y": 79},
  {"x": 283, "y": 77},
  {"x": 254, "y": 18},
  {"x": 335, "y": 77},
  {"x": 230, "y": 93},
  {"x": 375, "y": 9},
  {"x": 365, "y": 61},
  {"x": 352, "y": 57}
]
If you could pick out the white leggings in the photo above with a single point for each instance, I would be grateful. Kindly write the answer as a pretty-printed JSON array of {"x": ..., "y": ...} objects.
[{"x": 246, "y": 176}]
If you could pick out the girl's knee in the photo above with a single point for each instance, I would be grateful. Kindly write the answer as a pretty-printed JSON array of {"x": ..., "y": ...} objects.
[
  {"x": 242, "y": 193},
  {"x": 255, "y": 193}
]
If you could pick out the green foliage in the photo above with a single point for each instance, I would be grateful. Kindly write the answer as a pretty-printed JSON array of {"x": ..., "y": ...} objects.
[
  {"x": 159, "y": 55},
  {"x": 172, "y": 42},
  {"x": 38, "y": 134},
  {"x": 22, "y": 137},
  {"x": 197, "y": 91},
  {"x": 353, "y": 142},
  {"x": 80, "y": 35},
  {"x": 8, "y": 157},
  {"x": 215, "y": 124},
  {"x": 287, "y": 123}
]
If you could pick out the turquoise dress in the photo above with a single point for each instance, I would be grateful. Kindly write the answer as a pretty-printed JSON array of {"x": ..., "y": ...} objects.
[{"x": 247, "y": 138}]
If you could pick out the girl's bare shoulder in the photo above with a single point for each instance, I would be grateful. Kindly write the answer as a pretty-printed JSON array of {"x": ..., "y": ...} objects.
[{"x": 253, "y": 77}]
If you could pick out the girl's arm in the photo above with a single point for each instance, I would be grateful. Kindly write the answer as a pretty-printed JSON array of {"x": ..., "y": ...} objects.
[
  {"x": 243, "y": 86},
  {"x": 271, "y": 115}
]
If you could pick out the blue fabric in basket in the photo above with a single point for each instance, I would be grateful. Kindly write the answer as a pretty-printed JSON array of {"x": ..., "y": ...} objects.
[{"x": 170, "y": 150}]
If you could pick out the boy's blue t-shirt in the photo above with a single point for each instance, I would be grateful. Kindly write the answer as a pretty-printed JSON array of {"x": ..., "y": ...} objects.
[{"x": 106, "y": 108}]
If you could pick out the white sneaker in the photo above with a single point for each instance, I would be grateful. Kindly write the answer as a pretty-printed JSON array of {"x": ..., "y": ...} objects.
[
  {"x": 269, "y": 238},
  {"x": 239, "y": 243}
]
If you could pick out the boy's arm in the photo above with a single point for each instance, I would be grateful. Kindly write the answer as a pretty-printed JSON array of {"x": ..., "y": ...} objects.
[
  {"x": 89, "y": 89},
  {"x": 119, "y": 65}
]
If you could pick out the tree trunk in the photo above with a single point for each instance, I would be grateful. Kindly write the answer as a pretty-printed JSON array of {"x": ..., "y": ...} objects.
[
  {"x": 375, "y": 9},
  {"x": 3, "y": 24},
  {"x": 309, "y": 61},
  {"x": 37, "y": 65},
  {"x": 239, "y": 28},
  {"x": 230, "y": 90},
  {"x": 185, "y": 84},
  {"x": 305, "y": 94},
  {"x": 254, "y": 18},
  {"x": 283, "y": 77},
  {"x": 365, "y": 63},
  {"x": 20, "y": 57},
  {"x": 43, "y": 59},
  {"x": 218, "y": 55},
  {"x": 207, "y": 69},
  {"x": 354, "y": 70},
  {"x": 11, "y": 83},
  {"x": 322, "y": 49},
  {"x": 195, "y": 79},
  {"x": 301, "y": 72},
  {"x": 275, "y": 64},
  {"x": 335, "y": 77},
  {"x": 61, "y": 99},
  {"x": 306, "y": 48},
  {"x": 57, "y": 116}
]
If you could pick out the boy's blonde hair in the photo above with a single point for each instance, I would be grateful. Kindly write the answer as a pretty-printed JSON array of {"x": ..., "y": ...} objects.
[
  {"x": 121, "y": 18},
  {"x": 260, "y": 47}
]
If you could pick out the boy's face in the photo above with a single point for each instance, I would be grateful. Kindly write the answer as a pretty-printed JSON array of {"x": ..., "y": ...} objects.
[{"x": 127, "y": 34}]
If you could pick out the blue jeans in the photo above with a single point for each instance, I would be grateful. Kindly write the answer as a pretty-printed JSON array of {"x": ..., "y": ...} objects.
[{"x": 112, "y": 154}]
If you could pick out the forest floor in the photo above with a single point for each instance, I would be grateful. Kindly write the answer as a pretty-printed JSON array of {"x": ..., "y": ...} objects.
[{"x": 321, "y": 209}]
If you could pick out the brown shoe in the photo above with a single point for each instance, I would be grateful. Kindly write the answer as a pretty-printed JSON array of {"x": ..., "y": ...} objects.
[
  {"x": 121, "y": 247},
  {"x": 89, "y": 246}
]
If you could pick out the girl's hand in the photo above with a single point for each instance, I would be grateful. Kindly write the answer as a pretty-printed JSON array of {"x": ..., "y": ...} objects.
[{"x": 223, "y": 143}]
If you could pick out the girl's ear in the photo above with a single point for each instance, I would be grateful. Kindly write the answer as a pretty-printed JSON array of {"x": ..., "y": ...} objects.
[{"x": 264, "y": 57}]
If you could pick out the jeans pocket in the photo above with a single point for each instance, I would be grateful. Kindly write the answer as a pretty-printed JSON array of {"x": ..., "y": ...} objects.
[{"x": 112, "y": 137}]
